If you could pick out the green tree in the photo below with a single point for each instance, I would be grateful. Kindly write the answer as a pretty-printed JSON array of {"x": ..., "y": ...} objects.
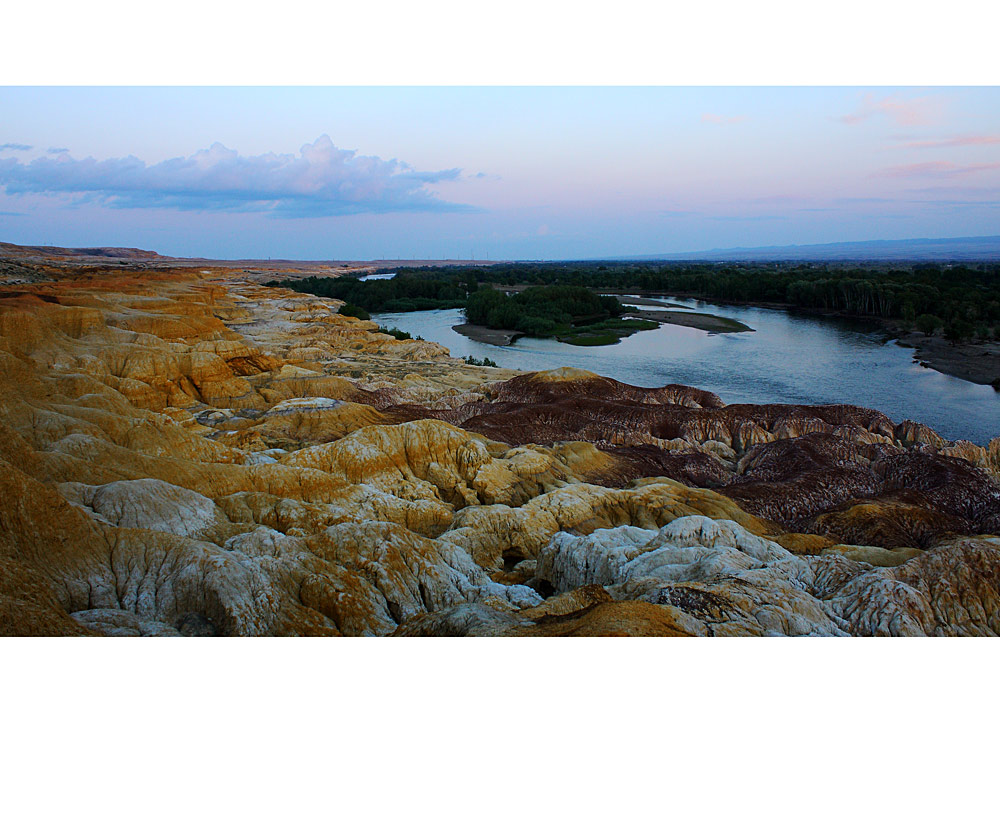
[
  {"x": 928, "y": 323},
  {"x": 909, "y": 314},
  {"x": 957, "y": 330},
  {"x": 351, "y": 310}
]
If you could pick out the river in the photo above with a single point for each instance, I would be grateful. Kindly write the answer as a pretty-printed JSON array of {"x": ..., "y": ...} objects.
[{"x": 788, "y": 358}]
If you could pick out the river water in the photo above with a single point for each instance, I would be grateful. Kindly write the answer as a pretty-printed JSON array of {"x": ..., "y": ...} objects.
[{"x": 787, "y": 358}]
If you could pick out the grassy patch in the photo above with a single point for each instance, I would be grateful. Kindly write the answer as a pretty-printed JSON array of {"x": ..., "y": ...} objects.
[
  {"x": 604, "y": 332},
  {"x": 642, "y": 325},
  {"x": 731, "y": 323},
  {"x": 592, "y": 339}
]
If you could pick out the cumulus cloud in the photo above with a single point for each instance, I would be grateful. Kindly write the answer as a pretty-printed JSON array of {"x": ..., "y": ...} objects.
[
  {"x": 11, "y": 145},
  {"x": 904, "y": 112},
  {"x": 933, "y": 169},
  {"x": 322, "y": 180}
]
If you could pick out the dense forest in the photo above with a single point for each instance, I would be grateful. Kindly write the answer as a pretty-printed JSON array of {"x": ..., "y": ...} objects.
[{"x": 960, "y": 300}]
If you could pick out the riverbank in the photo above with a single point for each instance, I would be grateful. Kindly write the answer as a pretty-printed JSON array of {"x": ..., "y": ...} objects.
[
  {"x": 973, "y": 362},
  {"x": 490, "y": 336},
  {"x": 792, "y": 360},
  {"x": 976, "y": 362},
  {"x": 629, "y": 300}
]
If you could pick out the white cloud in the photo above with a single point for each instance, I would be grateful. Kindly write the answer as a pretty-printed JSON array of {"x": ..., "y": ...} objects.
[{"x": 322, "y": 180}]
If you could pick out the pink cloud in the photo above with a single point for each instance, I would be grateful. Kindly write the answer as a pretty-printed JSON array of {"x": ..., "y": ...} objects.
[
  {"x": 904, "y": 112},
  {"x": 933, "y": 168},
  {"x": 982, "y": 192},
  {"x": 957, "y": 141},
  {"x": 715, "y": 119}
]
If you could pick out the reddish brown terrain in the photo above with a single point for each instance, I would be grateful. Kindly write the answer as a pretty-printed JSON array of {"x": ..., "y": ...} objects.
[{"x": 186, "y": 452}]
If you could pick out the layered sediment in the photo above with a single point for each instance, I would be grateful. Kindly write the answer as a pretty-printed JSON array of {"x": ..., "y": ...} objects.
[{"x": 185, "y": 452}]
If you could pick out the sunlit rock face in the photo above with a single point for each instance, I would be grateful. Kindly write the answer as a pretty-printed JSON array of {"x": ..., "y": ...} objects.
[{"x": 189, "y": 454}]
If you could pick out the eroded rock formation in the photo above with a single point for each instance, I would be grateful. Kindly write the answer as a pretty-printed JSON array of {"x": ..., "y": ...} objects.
[{"x": 188, "y": 453}]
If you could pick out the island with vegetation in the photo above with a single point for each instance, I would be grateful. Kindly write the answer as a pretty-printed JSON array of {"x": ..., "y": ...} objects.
[{"x": 573, "y": 314}]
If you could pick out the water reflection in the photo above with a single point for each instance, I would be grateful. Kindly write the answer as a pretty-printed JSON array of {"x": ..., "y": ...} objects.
[{"x": 788, "y": 358}]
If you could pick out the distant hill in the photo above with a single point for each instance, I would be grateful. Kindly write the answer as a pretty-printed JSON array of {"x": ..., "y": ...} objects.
[
  {"x": 66, "y": 256},
  {"x": 984, "y": 248},
  {"x": 12, "y": 250}
]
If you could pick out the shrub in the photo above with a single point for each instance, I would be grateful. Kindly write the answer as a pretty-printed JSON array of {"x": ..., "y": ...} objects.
[
  {"x": 958, "y": 330},
  {"x": 928, "y": 323},
  {"x": 351, "y": 310},
  {"x": 485, "y": 362},
  {"x": 395, "y": 332}
]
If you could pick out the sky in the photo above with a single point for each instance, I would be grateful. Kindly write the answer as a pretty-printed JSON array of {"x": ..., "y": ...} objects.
[{"x": 504, "y": 173}]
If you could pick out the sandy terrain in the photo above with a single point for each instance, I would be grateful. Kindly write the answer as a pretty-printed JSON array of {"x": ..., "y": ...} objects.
[
  {"x": 979, "y": 362},
  {"x": 712, "y": 323},
  {"x": 493, "y": 336},
  {"x": 629, "y": 300}
]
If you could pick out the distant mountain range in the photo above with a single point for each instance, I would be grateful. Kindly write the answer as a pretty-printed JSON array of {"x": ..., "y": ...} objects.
[
  {"x": 938, "y": 249},
  {"x": 983, "y": 248}
]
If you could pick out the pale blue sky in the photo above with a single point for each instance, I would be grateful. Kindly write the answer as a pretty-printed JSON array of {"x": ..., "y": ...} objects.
[{"x": 512, "y": 172}]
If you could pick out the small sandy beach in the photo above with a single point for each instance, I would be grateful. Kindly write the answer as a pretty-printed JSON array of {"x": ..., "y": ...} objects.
[
  {"x": 711, "y": 323},
  {"x": 492, "y": 336},
  {"x": 974, "y": 362}
]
